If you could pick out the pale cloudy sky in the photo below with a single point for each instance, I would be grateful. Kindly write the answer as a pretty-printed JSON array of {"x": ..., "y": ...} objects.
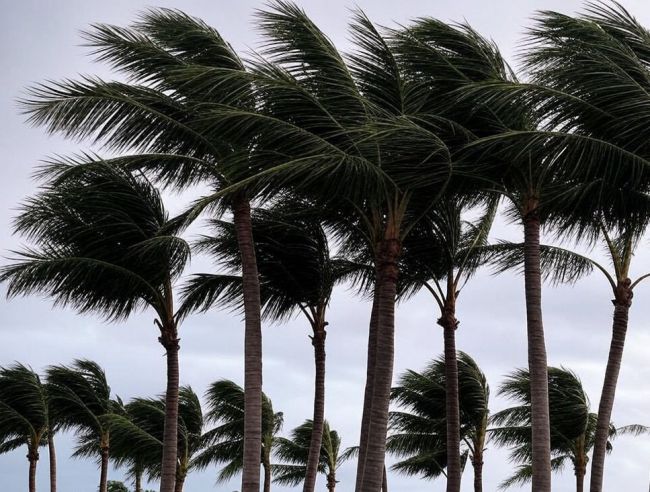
[{"x": 40, "y": 40}]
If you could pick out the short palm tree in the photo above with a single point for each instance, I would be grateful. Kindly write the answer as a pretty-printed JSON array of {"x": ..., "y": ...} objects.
[
  {"x": 293, "y": 452},
  {"x": 105, "y": 244},
  {"x": 224, "y": 444},
  {"x": 137, "y": 436},
  {"x": 573, "y": 427},
  {"x": 24, "y": 417},
  {"x": 80, "y": 396},
  {"x": 297, "y": 275},
  {"x": 419, "y": 428}
]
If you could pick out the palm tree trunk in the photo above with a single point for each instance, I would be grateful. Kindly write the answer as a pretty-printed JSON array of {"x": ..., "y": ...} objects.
[
  {"x": 537, "y": 362},
  {"x": 252, "y": 347},
  {"x": 370, "y": 380},
  {"x": 169, "y": 340},
  {"x": 452, "y": 407},
  {"x": 376, "y": 447},
  {"x": 180, "y": 481},
  {"x": 477, "y": 464},
  {"x": 138, "y": 480},
  {"x": 103, "y": 474},
  {"x": 331, "y": 480},
  {"x": 32, "y": 456},
  {"x": 318, "y": 341},
  {"x": 384, "y": 481},
  {"x": 580, "y": 477},
  {"x": 622, "y": 303},
  {"x": 52, "y": 455},
  {"x": 267, "y": 476}
]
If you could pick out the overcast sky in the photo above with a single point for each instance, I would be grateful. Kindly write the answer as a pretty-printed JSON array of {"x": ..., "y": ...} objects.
[{"x": 40, "y": 40}]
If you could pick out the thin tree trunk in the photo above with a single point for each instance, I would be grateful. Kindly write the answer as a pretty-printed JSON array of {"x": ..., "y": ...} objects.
[
  {"x": 103, "y": 474},
  {"x": 370, "y": 380},
  {"x": 169, "y": 340},
  {"x": 267, "y": 476},
  {"x": 180, "y": 481},
  {"x": 138, "y": 481},
  {"x": 580, "y": 477},
  {"x": 537, "y": 362},
  {"x": 318, "y": 341},
  {"x": 622, "y": 303},
  {"x": 452, "y": 406},
  {"x": 252, "y": 348},
  {"x": 331, "y": 480},
  {"x": 384, "y": 481},
  {"x": 383, "y": 378},
  {"x": 32, "y": 456},
  {"x": 52, "y": 455},
  {"x": 477, "y": 464}
]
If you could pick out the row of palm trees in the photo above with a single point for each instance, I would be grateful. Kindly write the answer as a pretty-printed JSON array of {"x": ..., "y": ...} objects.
[
  {"x": 383, "y": 150},
  {"x": 78, "y": 398}
]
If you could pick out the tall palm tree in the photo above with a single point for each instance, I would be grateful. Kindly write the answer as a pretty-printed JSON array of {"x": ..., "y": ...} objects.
[
  {"x": 449, "y": 61},
  {"x": 419, "y": 430},
  {"x": 225, "y": 443},
  {"x": 443, "y": 252},
  {"x": 80, "y": 396},
  {"x": 358, "y": 155},
  {"x": 164, "y": 115},
  {"x": 585, "y": 71},
  {"x": 105, "y": 244},
  {"x": 297, "y": 275},
  {"x": 24, "y": 418},
  {"x": 294, "y": 455},
  {"x": 573, "y": 427},
  {"x": 137, "y": 436}
]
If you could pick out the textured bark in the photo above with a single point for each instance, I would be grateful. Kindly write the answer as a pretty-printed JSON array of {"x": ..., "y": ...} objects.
[
  {"x": 622, "y": 303},
  {"x": 477, "y": 464},
  {"x": 180, "y": 481},
  {"x": 252, "y": 348},
  {"x": 169, "y": 340},
  {"x": 370, "y": 379},
  {"x": 389, "y": 251},
  {"x": 331, "y": 480},
  {"x": 318, "y": 341},
  {"x": 267, "y": 476},
  {"x": 537, "y": 362},
  {"x": 138, "y": 481},
  {"x": 580, "y": 470},
  {"x": 51, "y": 450},
  {"x": 103, "y": 474},
  {"x": 384, "y": 481},
  {"x": 452, "y": 406},
  {"x": 32, "y": 456}
]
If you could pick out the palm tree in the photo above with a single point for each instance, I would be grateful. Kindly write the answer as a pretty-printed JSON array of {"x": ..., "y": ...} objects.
[
  {"x": 297, "y": 274},
  {"x": 443, "y": 252},
  {"x": 419, "y": 430},
  {"x": 450, "y": 61},
  {"x": 573, "y": 427},
  {"x": 137, "y": 436},
  {"x": 585, "y": 71},
  {"x": 80, "y": 396},
  {"x": 164, "y": 114},
  {"x": 225, "y": 443},
  {"x": 294, "y": 454},
  {"x": 105, "y": 244},
  {"x": 24, "y": 418}
]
